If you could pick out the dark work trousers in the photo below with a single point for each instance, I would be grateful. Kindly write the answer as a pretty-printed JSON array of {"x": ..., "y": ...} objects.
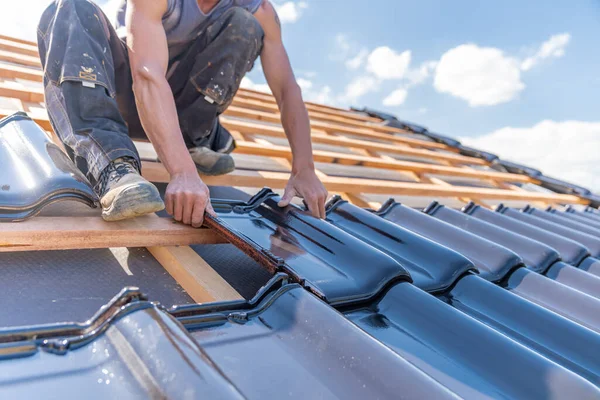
[{"x": 88, "y": 82}]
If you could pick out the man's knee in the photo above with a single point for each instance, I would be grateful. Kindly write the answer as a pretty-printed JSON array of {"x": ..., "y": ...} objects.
[{"x": 241, "y": 24}]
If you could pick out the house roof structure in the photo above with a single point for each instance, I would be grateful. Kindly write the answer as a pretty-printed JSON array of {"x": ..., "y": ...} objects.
[{"x": 441, "y": 271}]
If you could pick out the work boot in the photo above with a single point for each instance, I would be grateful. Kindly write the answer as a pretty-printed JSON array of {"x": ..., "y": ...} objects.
[
  {"x": 209, "y": 162},
  {"x": 125, "y": 194}
]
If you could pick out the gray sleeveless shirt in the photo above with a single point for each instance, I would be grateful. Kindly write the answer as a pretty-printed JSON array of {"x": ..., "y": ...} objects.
[{"x": 184, "y": 20}]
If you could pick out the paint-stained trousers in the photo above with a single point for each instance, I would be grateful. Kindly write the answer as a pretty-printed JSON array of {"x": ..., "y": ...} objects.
[{"x": 88, "y": 82}]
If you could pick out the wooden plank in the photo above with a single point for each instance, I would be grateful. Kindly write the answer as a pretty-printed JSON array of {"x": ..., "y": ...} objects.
[
  {"x": 252, "y": 128},
  {"x": 272, "y": 130},
  {"x": 20, "y": 59},
  {"x": 236, "y": 110},
  {"x": 66, "y": 233},
  {"x": 157, "y": 173},
  {"x": 375, "y": 162},
  {"x": 195, "y": 275},
  {"x": 18, "y": 40},
  {"x": 396, "y": 149},
  {"x": 252, "y": 94},
  {"x": 25, "y": 94},
  {"x": 318, "y": 116},
  {"x": 9, "y": 71},
  {"x": 19, "y": 48},
  {"x": 337, "y": 128}
]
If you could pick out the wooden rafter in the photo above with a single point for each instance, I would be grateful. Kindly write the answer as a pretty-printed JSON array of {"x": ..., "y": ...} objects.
[
  {"x": 276, "y": 180},
  {"x": 363, "y": 135}
]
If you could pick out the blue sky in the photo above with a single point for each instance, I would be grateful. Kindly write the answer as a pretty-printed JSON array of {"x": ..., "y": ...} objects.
[
  {"x": 560, "y": 88},
  {"x": 518, "y": 78}
]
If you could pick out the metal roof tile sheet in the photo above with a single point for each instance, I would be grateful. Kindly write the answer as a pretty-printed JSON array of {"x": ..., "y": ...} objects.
[
  {"x": 34, "y": 171},
  {"x": 492, "y": 260},
  {"x": 560, "y": 339},
  {"x": 571, "y": 251},
  {"x": 433, "y": 267},
  {"x": 332, "y": 263},
  {"x": 575, "y": 217},
  {"x": 589, "y": 241},
  {"x": 562, "y": 220},
  {"x": 298, "y": 347},
  {"x": 463, "y": 354}
]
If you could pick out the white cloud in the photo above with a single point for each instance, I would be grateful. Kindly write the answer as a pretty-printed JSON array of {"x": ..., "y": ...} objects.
[
  {"x": 386, "y": 63},
  {"x": 13, "y": 23},
  {"x": 321, "y": 96},
  {"x": 247, "y": 83},
  {"x": 358, "y": 60},
  {"x": 420, "y": 75},
  {"x": 552, "y": 48},
  {"x": 342, "y": 42},
  {"x": 307, "y": 74},
  {"x": 290, "y": 12},
  {"x": 304, "y": 84},
  {"x": 566, "y": 150},
  {"x": 483, "y": 76},
  {"x": 20, "y": 18},
  {"x": 358, "y": 88},
  {"x": 396, "y": 98}
]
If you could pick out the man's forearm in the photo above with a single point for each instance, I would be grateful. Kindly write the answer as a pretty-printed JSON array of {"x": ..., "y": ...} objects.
[
  {"x": 296, "y": 123},
  {"x": 158, "y": 115}
]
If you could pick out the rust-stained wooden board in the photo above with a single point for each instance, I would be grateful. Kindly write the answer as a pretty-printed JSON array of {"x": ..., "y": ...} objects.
[{"x": 67, "y": 233}]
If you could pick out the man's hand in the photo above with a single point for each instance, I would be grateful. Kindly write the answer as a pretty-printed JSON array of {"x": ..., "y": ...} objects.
[
  {"x": 306, "y": 184},
  {"x": 187, "y": 198}
]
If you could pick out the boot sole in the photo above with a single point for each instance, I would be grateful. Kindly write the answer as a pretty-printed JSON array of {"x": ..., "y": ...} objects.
[
  {"x": 216, "y": 170},
  {"x": 132, "y": 202}
]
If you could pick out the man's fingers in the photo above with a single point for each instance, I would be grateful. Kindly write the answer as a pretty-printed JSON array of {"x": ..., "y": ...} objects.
[
  {"x": 313, "y": 205},
  {"x": 177, "y": 207},
  {"x": 321, "y": 202},
  {"x": 169, "y": 203},
  {"x": 210, "y": 209},
  {"x": 198, "y": 213},
  {"x": 287, "y": 198},
  {"x": 188, "y": 208}
]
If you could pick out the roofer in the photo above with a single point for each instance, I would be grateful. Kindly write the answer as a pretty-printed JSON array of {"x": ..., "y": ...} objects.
[{"x": 174, "y": 67}]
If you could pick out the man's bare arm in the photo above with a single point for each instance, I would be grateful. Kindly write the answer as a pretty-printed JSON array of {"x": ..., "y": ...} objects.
[
  {"x": 294, "y": 116},
  {"x": 187, "y": 196}
]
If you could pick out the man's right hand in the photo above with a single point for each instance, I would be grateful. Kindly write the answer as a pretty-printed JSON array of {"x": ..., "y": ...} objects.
[{"x": 187, "y": 198}]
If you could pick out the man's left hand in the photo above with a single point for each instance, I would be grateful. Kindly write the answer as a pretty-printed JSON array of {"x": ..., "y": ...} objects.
[{"x": 306, "y": 185}]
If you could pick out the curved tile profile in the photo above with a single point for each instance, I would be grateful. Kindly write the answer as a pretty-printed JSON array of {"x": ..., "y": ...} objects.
[
  {"x": 562, "y": 220},
  {"x": 494, "y": 261},
  {"x": 145, "y": 354},
  {"x": 463, "y": 354},
  {"x": 589, "y": 213},
  {"x": 557, "y": 338},
  {"x": 34, "y": 172},
  {"x": 433, "y": 267},
  {"x": 333, "y": 264},
  {"x": 300, "y": 348},
  {"x": 586, "y": 239},
  {"x": 564, "y": 296},
  {"x": 575, "y": 277},
  {"x": 575, "y": 217},
  {"x": 569, "y": 250},
  {"x": 524, "y": 321},
  {"x": 591, "y": 265}
]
